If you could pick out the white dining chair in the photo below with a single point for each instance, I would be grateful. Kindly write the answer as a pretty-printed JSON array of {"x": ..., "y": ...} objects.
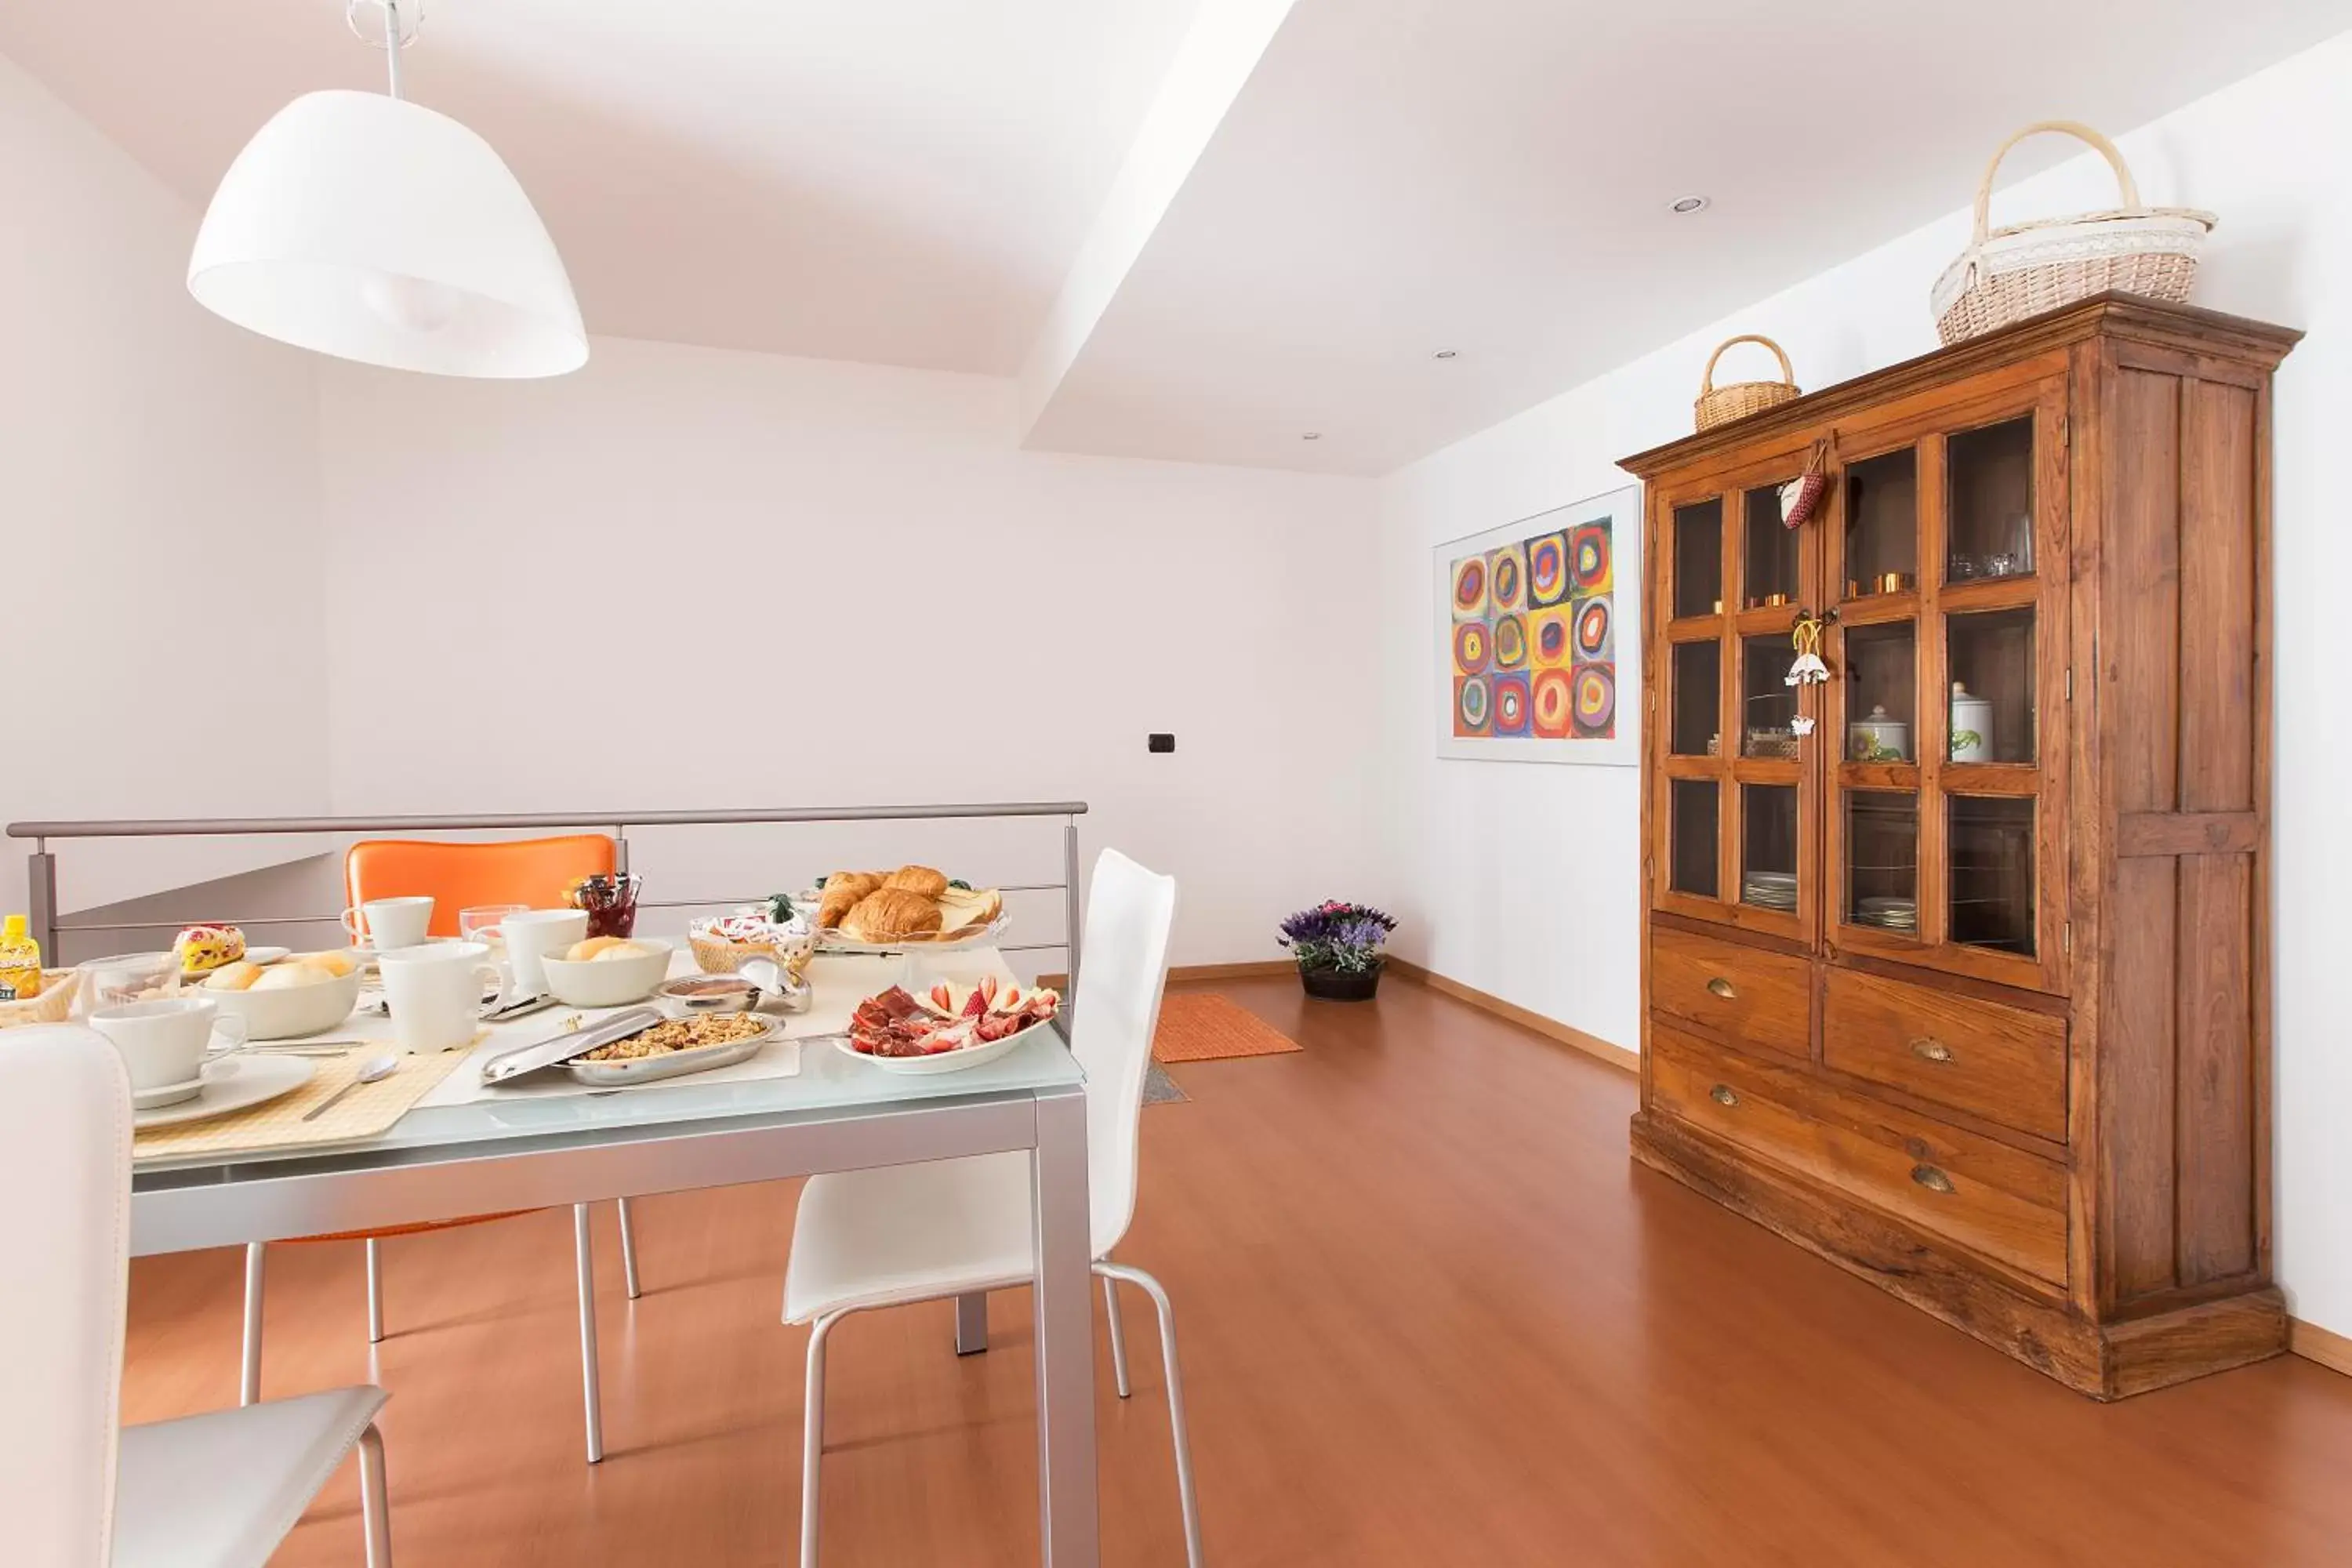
[
  {"x": 584, "y": 1268},
  {"x": 899, "y": 1234},
  {"x": 76, "y": 1489}
]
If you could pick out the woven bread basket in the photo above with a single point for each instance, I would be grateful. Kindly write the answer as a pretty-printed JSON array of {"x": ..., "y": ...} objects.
[
  {"x": 53, "y": 1005},
  {"x": 2009, "y": 274},
  {"x": 1722, "y": 404}
]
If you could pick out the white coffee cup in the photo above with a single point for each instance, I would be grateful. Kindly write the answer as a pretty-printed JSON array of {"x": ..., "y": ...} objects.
[
  {"x": 532, "y": 935},
  {"x": 162, "y": 1042},
  {"x": 390, "y": 923},
  {"x": 435, "y": 991}
]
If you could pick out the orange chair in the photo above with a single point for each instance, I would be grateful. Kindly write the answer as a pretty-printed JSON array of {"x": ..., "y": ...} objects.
[{"x": 530, "y": 871}]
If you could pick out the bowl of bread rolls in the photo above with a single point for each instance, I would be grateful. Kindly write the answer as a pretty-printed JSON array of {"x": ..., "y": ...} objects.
[
  {"x": 912, "y": 904},
  {"x": 606, "y": 971},
  {"x": 304, "y": 994}
]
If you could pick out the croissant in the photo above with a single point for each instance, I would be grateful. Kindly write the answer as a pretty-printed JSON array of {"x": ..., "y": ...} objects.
[
  {"x": 918, "y": 879},
  {"x": 842, "y": 891},
  {"x": 892, "y": 914}
]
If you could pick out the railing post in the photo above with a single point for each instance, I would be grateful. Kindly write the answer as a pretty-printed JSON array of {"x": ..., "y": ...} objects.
[
  {"x": 1070, "y": 896},
  {"x": 41, "y": 881},
  {"x": 621, "y": 848}
]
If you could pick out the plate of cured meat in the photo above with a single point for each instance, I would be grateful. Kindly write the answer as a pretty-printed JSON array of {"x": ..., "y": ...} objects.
[{"x": 948, "y": 1028}]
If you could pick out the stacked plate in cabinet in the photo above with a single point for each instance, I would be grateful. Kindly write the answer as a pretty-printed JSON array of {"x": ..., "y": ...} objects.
[
  {"x": 1889, "y": 915},
  {"x": 1770, "y": 889}
]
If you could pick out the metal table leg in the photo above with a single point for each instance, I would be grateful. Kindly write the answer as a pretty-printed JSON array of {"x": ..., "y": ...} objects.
[{"x": 1069, "y": 1531}]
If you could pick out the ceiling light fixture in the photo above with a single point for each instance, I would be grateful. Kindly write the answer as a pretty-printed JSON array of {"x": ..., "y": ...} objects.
[
  {"x": 376, "y": 230},
  {"x": 1447, "y": 354},
  {"x": 1685, "y": 205},
  {"x": 1312, "y": 435}
]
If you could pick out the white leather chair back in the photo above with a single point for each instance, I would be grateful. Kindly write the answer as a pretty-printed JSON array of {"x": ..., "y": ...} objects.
[
  {"x": 1122, "y": 973},
  {"x": 65, "y": 1243}
]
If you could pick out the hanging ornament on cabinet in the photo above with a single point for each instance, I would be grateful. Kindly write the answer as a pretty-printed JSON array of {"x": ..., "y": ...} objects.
[
  {"x": 1802, "y": 495},
  {"x": 1806, "y": 638}
]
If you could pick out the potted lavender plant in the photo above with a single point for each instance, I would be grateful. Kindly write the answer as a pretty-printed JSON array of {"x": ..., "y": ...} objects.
[{"x": 1337, "y": 947}]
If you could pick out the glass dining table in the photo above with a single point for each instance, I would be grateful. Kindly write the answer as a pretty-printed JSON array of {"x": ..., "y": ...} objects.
[{"x": 838, "y": 1112}]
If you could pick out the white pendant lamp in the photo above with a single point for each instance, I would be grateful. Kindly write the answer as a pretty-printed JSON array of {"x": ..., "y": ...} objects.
[{"x": 374, "y": 229}]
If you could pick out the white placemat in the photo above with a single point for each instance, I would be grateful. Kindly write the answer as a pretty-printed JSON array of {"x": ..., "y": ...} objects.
[{"x": 840, "y": 982}]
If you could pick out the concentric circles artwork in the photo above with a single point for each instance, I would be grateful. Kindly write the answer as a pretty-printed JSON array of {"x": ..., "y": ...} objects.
[
  {"x": 1510, "y": 642},
  {"x": 1549, "y": 704},
  {"x": 1470, "y": 715},
  {"x": 1532, "y": 621},
  {"x": 1547, "y": 634},
  {"x": 1547, "y": 570},
  {"x": 1511, "y": 704}
]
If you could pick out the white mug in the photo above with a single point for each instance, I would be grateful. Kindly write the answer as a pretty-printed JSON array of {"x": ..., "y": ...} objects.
[
  {"x": 435, "y": 992},
  {"x": 162, "y": 1042},
  {"x": 534, "y": 934},
  {"x": 390, "y": 923}
]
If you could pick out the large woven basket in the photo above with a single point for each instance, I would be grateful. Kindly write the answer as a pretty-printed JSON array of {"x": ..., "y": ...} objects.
[
  {"x": 1722, "y": 404},
  {"x": 2026, "y": 268}
]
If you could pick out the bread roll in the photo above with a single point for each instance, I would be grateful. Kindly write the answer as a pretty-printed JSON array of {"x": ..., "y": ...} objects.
[
  {"x": 287, "y": 977},
  {"x": 842, "y": 891},
  {"x": 892, "y": 914},
  {"x": 335, "y": 963},
  {"x": 619, "y": 950},
  {"x": 238, "y": 976},
  {"x": 918, "y": 879},
  {"x": 582, "y": 951}
]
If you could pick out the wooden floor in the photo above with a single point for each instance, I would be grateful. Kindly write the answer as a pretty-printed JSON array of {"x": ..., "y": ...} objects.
[{"x": 1431, "y": 1315}]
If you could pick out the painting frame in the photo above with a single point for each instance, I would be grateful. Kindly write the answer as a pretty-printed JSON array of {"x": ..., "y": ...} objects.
[{"x": 1524, "y": 606}]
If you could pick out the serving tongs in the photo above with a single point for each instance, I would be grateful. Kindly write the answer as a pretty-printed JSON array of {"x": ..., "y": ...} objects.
[{"x": 557, "y": 1050}]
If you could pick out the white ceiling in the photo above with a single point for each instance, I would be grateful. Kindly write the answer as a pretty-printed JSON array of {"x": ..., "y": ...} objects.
[
  {"x": 909, "y": 181},
  {"x": 897, "y": 180},
  {"x": 1493, "y": 176}
]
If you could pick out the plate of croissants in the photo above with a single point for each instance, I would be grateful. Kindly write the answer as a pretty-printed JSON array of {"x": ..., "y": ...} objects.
[{"x": 878, "y": 911}]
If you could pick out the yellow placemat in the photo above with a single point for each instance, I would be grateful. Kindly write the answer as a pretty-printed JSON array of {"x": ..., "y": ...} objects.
[{"x": 368, "y": 1111}]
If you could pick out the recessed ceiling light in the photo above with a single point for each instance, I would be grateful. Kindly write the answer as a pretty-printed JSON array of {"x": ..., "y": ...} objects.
[
  {"x": 1445, "y": 353},
  {"x": 1688, "y": 205},
  {"x": 1312, "y": 435}
]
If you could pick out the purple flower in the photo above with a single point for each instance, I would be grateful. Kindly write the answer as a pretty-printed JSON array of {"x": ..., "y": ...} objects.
[{"x": 1335, "y": 934}]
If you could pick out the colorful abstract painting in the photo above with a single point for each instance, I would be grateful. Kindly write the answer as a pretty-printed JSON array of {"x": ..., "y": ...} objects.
[{"x": 1530, "y": 619}]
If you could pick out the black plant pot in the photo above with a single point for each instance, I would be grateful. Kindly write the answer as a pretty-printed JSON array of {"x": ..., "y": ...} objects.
[{"x": 1342, "y": 984}]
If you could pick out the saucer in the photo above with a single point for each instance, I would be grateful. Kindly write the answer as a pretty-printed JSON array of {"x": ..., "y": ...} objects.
[
  {"x": 164, "y": 1094},
  {"x": 232, "y": 1083}
]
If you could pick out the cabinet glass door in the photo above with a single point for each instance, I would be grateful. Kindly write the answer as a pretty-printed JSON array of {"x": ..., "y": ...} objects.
[
  {"x": 1950, "y": 685},
  {"x": 1735, "y": 807}
]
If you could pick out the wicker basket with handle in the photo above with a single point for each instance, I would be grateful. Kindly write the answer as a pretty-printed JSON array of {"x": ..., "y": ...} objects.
[
  {"x": 1722, "y": 404},
  {"x": 2009, "y": 274}
]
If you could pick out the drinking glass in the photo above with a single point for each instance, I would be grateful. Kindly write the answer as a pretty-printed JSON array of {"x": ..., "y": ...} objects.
[{"x": 478, "y": 923}]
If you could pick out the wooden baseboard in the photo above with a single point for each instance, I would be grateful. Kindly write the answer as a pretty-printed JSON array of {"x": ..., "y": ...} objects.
[
  {"x": 1616, "y": 1056},
  {"x": 2325, "y": 1346},
  {"x": 1261, "y": 969}
]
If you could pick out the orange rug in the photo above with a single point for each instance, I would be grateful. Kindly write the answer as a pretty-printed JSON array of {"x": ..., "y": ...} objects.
[{"x": 1202, "y": 1026}]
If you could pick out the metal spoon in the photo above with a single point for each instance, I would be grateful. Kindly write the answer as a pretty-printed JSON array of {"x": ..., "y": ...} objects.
[{"x": 375, "y": 1069}]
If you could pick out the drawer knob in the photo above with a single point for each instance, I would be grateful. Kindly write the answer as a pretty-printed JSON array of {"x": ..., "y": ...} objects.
[
  {"x": 1934, "y": 1180},
  {"x": 1721, "y": 1094},
  {"x": 1931, "y": 1049},
  {"x": 1722, "y": 988}
]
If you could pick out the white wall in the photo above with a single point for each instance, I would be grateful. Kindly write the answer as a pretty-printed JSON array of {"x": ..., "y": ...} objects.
[
  {"x": 821, "y": 584},
  {"x": 158, "y": 494},
  {"x": 1524, "y": 882}
]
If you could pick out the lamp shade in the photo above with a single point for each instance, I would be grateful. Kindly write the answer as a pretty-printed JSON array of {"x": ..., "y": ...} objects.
[{"x": 376, "y": 230}]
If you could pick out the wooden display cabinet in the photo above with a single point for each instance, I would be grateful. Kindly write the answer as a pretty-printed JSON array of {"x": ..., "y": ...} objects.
[{"x": 1967, "y": 989}]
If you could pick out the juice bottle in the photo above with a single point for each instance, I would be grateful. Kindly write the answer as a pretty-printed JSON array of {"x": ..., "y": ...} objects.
[{"x": 20, "y": 961}]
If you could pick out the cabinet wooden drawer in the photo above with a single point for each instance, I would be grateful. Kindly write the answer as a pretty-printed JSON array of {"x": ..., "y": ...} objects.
[
  {"x": 2000, "y": 1202},
  {"x": 2002, "y": 1063},
  {"x": 1747, "y": 996}
]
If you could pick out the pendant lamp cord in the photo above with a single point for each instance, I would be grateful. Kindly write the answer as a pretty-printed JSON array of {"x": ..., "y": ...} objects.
[
  {"x": 392, "y": 43},
  {"x": 393, "y": 37}
]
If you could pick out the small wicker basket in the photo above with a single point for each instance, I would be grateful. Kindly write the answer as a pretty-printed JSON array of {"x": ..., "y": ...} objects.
[
  {"x": 53, "y": 1005},
  {"x": 1722, "y": 404},
  {"x": 2026, "y": 268}
]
